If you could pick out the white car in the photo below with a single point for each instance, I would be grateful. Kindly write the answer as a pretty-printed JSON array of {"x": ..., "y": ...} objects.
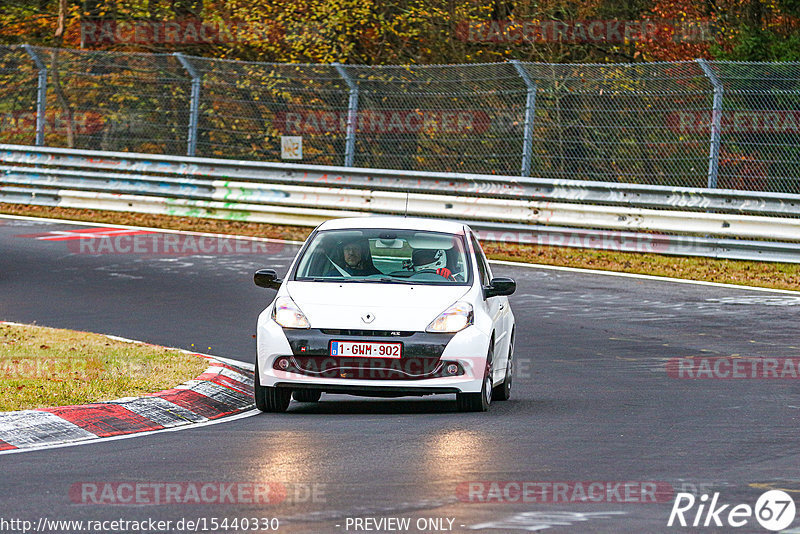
[{"x": 386, "y": 307}]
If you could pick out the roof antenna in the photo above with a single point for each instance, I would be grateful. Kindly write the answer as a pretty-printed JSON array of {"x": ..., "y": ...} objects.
[{"x": 406, "y": 213}]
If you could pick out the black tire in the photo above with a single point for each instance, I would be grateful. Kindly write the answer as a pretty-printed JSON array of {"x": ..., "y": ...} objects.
[
  {"x": 479, "y": 402},
  {"x": 503, "y": 391},
  {"x": 307, "y": 395},
  {"x": 270, "y": 399}
]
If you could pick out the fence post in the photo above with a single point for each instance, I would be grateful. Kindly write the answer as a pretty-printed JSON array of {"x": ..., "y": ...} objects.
[
  {"x": 41, "y": 94},
  {"x": 716, "y": 123},
  {"x": 194, "y": 104},
  {"x": 352, "y": 116},
  {"x": 530, "y": 109}
]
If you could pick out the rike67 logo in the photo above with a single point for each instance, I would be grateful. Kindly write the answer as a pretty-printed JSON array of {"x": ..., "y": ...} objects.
[{"x": 774, "y": 510}]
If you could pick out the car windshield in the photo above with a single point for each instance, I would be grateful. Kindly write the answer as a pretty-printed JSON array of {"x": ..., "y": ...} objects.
[{"x": 385, "y": 256}]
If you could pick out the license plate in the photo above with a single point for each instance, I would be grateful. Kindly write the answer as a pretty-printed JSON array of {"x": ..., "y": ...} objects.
[{"x": 366, "y": 349}]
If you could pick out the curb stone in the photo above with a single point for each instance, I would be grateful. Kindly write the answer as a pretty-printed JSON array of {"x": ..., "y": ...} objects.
[{"x": 223, "y": 389}]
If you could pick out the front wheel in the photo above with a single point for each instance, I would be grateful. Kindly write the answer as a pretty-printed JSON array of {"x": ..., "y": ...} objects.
[
  {"x": 503, "y": 391},
  {"x": 479, "y": 402},
  {"x": 270, "y": 399}
]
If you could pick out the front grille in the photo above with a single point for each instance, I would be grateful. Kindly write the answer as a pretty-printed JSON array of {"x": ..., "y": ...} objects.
[
  {"x": 366, "y": 368},
  {"x": 317, "y": 342},
  {"x": 366, "y": 333}
]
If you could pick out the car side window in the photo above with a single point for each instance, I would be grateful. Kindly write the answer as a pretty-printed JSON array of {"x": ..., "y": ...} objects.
[{"x": 483, "y": 267}]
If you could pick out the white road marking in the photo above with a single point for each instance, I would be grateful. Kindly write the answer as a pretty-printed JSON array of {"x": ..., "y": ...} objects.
[
  {"x": 767, "y": 301},
  {"x": 644, "y": 277},
  {"x": 535, "y": 521}
]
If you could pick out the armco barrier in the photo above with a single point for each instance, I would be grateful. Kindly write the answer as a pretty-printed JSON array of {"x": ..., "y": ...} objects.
[{"x": 669, "y": 220}]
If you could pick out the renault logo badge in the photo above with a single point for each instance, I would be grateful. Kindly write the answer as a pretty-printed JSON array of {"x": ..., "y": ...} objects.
[{"x": 367, "y": 318}]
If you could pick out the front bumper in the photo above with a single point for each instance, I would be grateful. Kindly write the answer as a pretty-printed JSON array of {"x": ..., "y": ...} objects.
[{"x": 422, "y": 370}]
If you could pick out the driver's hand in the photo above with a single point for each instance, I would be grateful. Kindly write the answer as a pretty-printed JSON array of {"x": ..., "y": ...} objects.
[{"x": 444, "y": 271}]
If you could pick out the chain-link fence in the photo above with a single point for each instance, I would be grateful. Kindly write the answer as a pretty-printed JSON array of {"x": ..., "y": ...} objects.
[{"x": 693, "y": 123}]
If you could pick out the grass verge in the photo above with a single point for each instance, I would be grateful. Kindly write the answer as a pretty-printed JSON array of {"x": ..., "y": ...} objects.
[
  {"x": 761, "y": 274},
  {"x": 42, "y": 367}
]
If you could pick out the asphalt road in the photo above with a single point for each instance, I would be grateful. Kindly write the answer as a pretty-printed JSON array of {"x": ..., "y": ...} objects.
[{"x": 592, "y": 402}]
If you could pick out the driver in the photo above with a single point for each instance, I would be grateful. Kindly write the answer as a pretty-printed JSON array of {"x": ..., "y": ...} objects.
[
  {"x": 357, "y": 258},
  {"x": 432, "y": 260}
]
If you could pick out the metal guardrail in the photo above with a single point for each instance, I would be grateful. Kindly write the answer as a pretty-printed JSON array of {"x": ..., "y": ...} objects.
[{"x": 644, "y": 218}]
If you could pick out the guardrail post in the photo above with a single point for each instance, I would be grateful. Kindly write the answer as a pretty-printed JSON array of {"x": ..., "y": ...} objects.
[
  {"x": 194, "y": 104},
  {"x": 716, "y": 124},
  {"x": 352, "y": 116},
  {"x": 41, "y": 94},
  {"x": 530, "y": 109}
]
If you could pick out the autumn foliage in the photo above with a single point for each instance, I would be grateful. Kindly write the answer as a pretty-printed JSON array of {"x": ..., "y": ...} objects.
[{"x": 415, "y": 31}]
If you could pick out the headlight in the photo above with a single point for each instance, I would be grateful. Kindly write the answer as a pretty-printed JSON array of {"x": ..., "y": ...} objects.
[
  {"x": 288, "y": 315},
  {"x": 454, "y": 319}
]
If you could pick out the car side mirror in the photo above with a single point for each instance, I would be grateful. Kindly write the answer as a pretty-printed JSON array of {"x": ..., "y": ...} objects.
[
  {"x": 267, "y": 278},
  {"x": 499, "y": 287}
]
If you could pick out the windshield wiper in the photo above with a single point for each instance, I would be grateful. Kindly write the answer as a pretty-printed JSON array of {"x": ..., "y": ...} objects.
[
  {"x": 391, "y": 280},
  {"x": 382, "y": 280}
]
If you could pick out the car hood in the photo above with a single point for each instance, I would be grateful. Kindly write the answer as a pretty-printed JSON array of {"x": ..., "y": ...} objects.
[{"x": 392, "y": 306}]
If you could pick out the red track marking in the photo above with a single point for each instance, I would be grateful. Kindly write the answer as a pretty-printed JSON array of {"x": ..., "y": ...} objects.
[
  {"x": 224, "y": 365},
  {"x": 197, "y": 403},
  {"x": 104, "y": 420},
  {"x": 228, "y": 382}
]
